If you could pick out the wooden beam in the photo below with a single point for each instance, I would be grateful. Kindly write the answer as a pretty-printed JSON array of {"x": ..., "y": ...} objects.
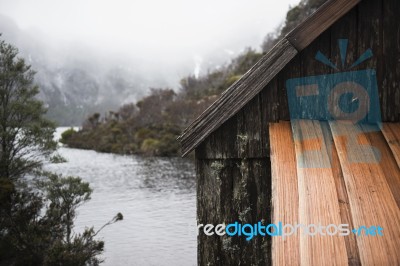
[{"x": 284, "y": 193}]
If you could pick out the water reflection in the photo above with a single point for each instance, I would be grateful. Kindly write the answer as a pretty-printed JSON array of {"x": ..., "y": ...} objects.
[{"x": 156, "y": 196}]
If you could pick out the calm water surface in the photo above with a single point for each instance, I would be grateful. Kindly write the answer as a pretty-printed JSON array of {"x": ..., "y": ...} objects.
[{"x": 156, "y": 197}]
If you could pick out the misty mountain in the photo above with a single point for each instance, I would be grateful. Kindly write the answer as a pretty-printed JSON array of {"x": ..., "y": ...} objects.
[
  {"x": 75, "y": 82},
  {"x": 72, "y": 93}
]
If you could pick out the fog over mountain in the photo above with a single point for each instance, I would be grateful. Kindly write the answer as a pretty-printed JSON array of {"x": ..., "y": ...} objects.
[
  {"x": 93, "y": 56},
  {"x": 75, "y": 81}
]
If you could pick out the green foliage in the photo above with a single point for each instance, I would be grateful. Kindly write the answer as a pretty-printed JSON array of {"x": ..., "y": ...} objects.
[
  {"x": 82, "y": 250},
  {"x": 150, "y": 146},
  {"x": 67, "y": 134},
  {"x": 26, "y": 137},
  {"x": 57, "y": 158},
  {"x": 232, "y": 79},
  {"x": 37, "y": 230},
  {"x": 168, "y": 145},
  {"x": 36, "y": 218},
  {"x": 245, "y": 61},
  {"x": 65, "y": 194}
]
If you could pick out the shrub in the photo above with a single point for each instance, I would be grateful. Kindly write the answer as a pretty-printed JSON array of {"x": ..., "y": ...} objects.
[
  {"x": 150, "y": 146},
  {"x": 66, "y": 135}
]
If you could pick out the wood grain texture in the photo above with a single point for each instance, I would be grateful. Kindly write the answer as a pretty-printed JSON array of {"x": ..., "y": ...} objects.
[
  {"x": 390, "y": 98},
  {"x": 227, "y": 191},
  {"x": 284, "y": 193},
  {"x": 391, "y": 131},
  {"x": 370, "y": 36},
  {"x": 342, "y": 196},
  {"x": 386, "y": 159},
  {"x": 318, "y": 202},
  {"x": 345, "y": 174},
  {"x": 240, "y": 93},
  {"x": 371, "y": 199},
  {"x": 320, "y": 21}
]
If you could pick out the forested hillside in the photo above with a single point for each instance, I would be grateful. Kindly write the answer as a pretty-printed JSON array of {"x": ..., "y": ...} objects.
[{"x": 152, "y": 125}]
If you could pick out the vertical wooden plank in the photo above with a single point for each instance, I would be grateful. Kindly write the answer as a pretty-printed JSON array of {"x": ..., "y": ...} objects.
[
  {"x": 343, "y": 199},
  {"x": 309, "y": 65},
  {"x": 386, "y": 160},
  {"x": 213, "y": 148},
  {"x": 269, "y": 101},
  {"x": 370, "y": 36},
  {"x": 318, "y": 202},
  {"x": 371, "y": 200},
  {"x": 242, "y": 136},
  {"x": 284, "y": 193},
  {"x": 292, "y": 70},
  {"x": 269, "y": 109},
  {"x": 391, "y": 131},
  {"x": 250, "y": 137},
  {"x": 391, "y": 60},
  {"x": 232, "y": 190},
  {"x": 345, "y": 28}
]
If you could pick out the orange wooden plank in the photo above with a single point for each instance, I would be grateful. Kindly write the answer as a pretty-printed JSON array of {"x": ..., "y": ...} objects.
[
  {"x": 391, "y": 131},
  {"x": 371, "y": 200},
  {"x": 343, "y": 199},
  {"x": 284, "y": 192},
  {"x": 318, "y": 202},
  {"x": 387, "y": 161}
]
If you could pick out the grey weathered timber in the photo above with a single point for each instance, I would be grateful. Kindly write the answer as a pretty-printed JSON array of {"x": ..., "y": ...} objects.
[
  {"x": 228, "y": 191},
  {"x": 245, "y": 135},
  {"x": 390, "y": 93}
]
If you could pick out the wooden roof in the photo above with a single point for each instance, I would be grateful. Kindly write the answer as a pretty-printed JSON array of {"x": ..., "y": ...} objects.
[
  {"x": 344, "y": 191},
  {"x": 251, "y": 83}
]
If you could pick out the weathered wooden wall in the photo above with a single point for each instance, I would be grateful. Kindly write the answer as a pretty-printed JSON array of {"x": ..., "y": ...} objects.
[
  {"x": 233, "y": 163},
  {"x": 233, "y": 184}
]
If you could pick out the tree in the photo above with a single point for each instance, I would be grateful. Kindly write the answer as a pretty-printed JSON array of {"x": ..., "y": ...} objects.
[
  {"x": 63, "y": 195},
  {"x": 39, "y": 227},
  {"x": 92, "y": 122},
  {"x": 26, "y": 137},
  {"x": 36, "y": 218},
  {"x": 152, "y": 108}
]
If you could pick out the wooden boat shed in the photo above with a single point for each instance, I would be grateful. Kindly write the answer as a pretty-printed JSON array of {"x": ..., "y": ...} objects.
[{"x": 247, "y": 153}]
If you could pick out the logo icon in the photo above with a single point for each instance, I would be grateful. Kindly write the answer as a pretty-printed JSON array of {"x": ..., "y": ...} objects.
[{"x": 349, "y": 97}]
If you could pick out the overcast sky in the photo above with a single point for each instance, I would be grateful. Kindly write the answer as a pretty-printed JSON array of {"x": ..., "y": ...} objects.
[{"x": 160, "y": 32}]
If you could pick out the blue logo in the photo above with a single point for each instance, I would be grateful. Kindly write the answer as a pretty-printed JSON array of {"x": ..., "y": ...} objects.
[{"x": 349, "y": 98}]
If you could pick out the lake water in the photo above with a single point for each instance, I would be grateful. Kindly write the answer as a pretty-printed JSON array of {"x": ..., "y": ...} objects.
[{"x": 156, "y": 197}]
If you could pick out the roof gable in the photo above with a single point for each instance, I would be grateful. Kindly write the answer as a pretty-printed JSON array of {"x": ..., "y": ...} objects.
[{"x": 251, "y": 83}]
